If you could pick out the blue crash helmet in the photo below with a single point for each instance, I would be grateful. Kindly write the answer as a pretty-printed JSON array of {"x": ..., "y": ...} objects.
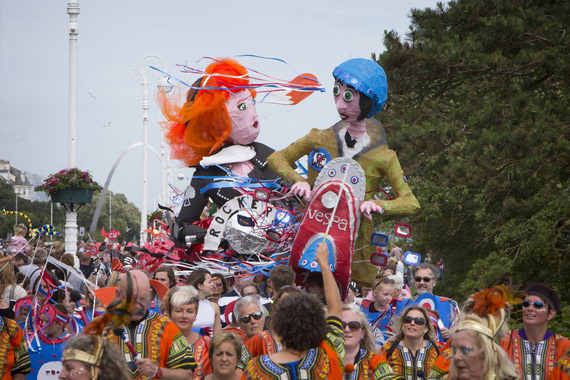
[{"x": 367, "y": 77}]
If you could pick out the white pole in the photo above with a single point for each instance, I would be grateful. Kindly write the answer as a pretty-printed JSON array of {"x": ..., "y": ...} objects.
[
  {"x": 145, "y": 107},
  {"x": 110, "y": 198},
  {"x": 73, "y": 12},
  {"x": 163, "y": 170},
  {"x": 17, "y": 209},
  {"x": 71, "y": 217}
]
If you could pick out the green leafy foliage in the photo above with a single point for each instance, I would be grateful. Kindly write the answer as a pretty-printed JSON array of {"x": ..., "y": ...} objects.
[
  {"x": 125, "y": 217},
  {"x": 478, "y": 112},
  {"x": 38, "y": 212}
]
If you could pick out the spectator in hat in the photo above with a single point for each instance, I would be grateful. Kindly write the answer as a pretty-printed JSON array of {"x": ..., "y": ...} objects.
[{"x": 536, "y": 351}]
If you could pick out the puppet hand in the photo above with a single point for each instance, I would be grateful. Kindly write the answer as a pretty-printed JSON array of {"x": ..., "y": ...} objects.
[
  {"x": 370, "y": 206},
  {"x": 302, "y": 189}
]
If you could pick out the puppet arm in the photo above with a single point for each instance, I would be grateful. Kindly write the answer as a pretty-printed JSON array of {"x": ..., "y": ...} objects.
[
  {"x": 281, "y": 161},
  {"x": 194, "y": 203},
  {"x": 405, "y": 202}
]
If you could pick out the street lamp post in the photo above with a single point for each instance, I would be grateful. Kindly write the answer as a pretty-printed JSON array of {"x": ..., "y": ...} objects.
[
  {"x": 163, "y": 86},
  {"x": 73, "y": 12},
  {"x": 71, "y": 215},
  {"x": 163, "y": 170}
]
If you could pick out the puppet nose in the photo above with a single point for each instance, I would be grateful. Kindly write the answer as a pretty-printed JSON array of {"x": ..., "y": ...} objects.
[{"x": 255, "y": 124}]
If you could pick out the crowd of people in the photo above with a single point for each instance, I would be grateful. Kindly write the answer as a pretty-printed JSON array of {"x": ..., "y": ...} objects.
[{"x": 101, "y": 315}]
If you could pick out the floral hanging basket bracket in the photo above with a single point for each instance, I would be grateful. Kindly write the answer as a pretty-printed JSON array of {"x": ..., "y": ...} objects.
[{"x": 73, "y": 195}]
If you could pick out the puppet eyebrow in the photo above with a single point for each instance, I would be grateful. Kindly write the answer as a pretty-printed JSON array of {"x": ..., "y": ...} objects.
[{"x": 247, "y": 97}]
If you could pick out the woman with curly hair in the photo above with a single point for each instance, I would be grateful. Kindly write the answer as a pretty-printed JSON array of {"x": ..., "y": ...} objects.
[
  {"x": 89, "y": 357},
  {"x": 361, "y": 361},
  {"x": 312, "y": 345},
  {"x": 264, "y": 342},
  {"x": 412, "y": 351}
]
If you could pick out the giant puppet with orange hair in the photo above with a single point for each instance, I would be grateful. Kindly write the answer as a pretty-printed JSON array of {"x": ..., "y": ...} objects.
[{"x": 215, "y": 132}]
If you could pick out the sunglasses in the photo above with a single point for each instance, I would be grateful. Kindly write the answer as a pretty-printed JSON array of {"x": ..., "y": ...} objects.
[
  {"x": 426, "y": 279},
  {"x": 352, "y": 325},
  {"x": 247, "y": 318},
  {"x": 418, "y": 321},
  {"x": 217, "y": 283},
  {"x": 537, "y": 304}
]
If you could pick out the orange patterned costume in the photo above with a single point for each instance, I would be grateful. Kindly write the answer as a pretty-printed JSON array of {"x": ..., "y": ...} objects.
[
  {"x": 158, "y": 339},
  {"x": 202, "y": 357},
  {"x": 262, "y": 343},
  {"x": 13, "y": 351},
  {"x": 548, "y": 359},
  {"x": 325, "y": 361},
  {"x": 407, "y": 365}
]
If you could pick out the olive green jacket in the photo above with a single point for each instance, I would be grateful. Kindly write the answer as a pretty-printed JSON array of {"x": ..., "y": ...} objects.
[{"x": 377, "y": 161}]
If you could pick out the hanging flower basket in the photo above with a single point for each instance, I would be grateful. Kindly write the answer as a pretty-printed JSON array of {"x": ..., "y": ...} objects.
[
  {"x": 73, "y": 195},
  {"x": 70, "y": 186}
]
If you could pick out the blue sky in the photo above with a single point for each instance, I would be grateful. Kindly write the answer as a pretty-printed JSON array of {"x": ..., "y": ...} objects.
[{"x": 312, "y": 36}]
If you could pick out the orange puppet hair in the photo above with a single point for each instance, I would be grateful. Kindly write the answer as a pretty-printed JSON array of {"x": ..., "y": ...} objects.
[{"x": 202, "y": 124}]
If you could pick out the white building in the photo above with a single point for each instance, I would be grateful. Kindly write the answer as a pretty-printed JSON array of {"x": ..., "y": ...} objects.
[{"x": 19, "y": 179}]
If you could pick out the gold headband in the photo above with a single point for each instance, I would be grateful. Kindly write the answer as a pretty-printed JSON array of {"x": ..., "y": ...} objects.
[
  {"x": 92, "y": 359},
  {"x": 81, "y": 356},
  {"x": 474, "y": 326}
]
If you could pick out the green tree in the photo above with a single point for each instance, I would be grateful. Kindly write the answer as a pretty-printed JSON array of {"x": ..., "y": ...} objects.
[
  {"x": 125, "y": 216},
  {"x": 38, "y": 212},
  {"x": 479, "y": 115}
]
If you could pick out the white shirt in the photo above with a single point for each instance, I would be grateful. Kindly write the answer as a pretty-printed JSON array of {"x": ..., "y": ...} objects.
[{"x": 361, "y": 143}]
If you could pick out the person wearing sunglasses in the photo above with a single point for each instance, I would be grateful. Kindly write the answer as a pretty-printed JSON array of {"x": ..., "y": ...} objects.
[
  {"x": 537, "y": 352},
  {"x": 361, "y": 348},
  {"x": 313, "y": 346},
  {"x": 250, "y": 315},
  {"x": 424, "y": 280},
  {"x": 219, "y": 287},
  {"x": 475, "y": 346},
  {"x": 264, "y": 342},
  {"x": 413, "y": 350}
]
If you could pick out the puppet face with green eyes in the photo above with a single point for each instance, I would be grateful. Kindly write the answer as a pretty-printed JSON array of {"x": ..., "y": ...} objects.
[
  {"x": 347, "y": 101},
  {"x": 243, "y": 115}
]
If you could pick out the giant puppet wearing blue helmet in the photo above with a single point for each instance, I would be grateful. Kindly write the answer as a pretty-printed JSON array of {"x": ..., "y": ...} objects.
[{"x": 360, "y": 91}]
